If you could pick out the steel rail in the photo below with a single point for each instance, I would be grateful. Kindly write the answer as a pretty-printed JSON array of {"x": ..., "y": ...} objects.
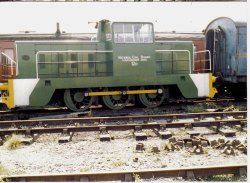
[
  {"x": 128, "y": 176},
  {"x": 119, "y": 119},
  {"x": 119, "y": 127},
  {"x": 23, "y": 114}
]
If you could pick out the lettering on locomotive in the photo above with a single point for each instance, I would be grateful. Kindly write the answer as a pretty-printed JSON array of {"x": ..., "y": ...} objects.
[{"x": 134, "y": 59}]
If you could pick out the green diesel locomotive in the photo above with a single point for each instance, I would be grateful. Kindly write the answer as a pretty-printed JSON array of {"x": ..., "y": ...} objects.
[{"x": 123, "y": 63}]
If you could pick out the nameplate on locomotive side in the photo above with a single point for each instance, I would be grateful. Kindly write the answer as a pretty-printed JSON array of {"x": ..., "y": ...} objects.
[{"x": 134, "y": 59}]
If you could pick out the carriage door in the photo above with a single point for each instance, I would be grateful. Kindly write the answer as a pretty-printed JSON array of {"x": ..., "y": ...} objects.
[
  {"x": 215, "y": 42},
  {"x": 133, "y": 49},
  {"x": 242, "y": 51}
]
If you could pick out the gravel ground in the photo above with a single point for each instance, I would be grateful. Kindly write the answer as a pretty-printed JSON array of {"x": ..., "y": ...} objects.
[{"x": 86, "y": 153}]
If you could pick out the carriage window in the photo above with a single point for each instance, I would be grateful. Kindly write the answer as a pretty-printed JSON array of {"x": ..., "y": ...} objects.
[
  {"x": 10, "y": 53},
  {"x": 133, "y": 33}
]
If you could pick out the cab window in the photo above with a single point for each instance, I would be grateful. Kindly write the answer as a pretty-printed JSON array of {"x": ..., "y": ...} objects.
[{"x": 133, "y": 33}]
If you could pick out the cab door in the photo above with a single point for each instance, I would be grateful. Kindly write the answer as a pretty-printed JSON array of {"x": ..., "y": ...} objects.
[
  {"x": 133, "y": 50},
  {"x": 216, "y": 44}
]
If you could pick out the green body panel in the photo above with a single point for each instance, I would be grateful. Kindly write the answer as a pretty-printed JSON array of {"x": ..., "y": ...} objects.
[
  {"x": 26, "y": 60},
  {"x": 173, "y": 62},
  {"x": 62, "y": 64},
  {"x": 41, "y": 95},
  {"x": 136, "y": 60},
  {"x": 184, "y": 82},
  {"x": 104, "y": 63}
]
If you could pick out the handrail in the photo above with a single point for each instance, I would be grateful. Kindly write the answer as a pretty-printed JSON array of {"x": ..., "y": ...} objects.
[
  {"x": 203, "y": 60},
  {"x": 11, "y": 61},
  {"x": 189, "y": 55},
  {"x": 69, "y": 51}
]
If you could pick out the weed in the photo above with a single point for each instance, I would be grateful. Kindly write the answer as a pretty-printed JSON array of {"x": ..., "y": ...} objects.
[
  {"x": 218, "y": 178},
  {"x": 13, "y": 142},
  {"x": 84, "y": 170},
  {"x": 195, "y": 108},
  {"x": 118, "y": 163},
  {"x": 3, "y": 170},
  {"x": 186, "y": 155},
  {"x": 181, "y": 132},
  {"x": 136, "y": 177},
  {"x": 210, "y": 105},
  {"x": 240, "y": 108},
  {"x": 205, "y": 151}
]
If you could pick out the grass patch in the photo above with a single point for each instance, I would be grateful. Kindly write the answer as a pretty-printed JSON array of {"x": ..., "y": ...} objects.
[
  {"x": 3, "y": 170},
  {"x": 84, "y": 170},
  {"x": 118, "y": 163},
  {"x": 12, "y": 142},
  {"x": 201, "y": 107},
  {"x": 136, "y": 177},
  {"x": 219, "y": 178},
  {"x": 181, "y": 132},
  {"x": 186, "y": 155},
  {"x": 194, "y": 108}
]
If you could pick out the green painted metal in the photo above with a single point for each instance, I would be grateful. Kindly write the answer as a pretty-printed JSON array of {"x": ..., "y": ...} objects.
[
  {"x": 103, "y": 63},
  {"x": 184, "y": 83}
]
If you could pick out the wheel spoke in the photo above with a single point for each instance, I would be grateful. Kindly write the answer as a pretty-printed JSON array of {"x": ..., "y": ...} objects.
[
  {"x": 76, "y": 101},
  {"x": 152, "y": 100},
  {"x": 115, "y": 102}
]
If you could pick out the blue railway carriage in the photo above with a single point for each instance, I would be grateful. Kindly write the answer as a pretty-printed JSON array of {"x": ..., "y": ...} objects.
[{"x": 227, "y": 42}]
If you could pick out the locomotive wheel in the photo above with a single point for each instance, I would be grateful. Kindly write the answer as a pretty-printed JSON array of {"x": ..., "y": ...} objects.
[
  {"x": 76, "y": 101},
  {"x": 152, "y": 100},
  {"x": 115, "y": 102}
]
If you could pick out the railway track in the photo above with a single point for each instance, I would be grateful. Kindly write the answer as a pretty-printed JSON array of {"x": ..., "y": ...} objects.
[
  {"x": 48, "y": 113},
  {"x": 136, "y": 123},
  {"x": 159, "y": 122},
  {"x": 128, "y": 176},
  {"x": 98, "y": 111}
]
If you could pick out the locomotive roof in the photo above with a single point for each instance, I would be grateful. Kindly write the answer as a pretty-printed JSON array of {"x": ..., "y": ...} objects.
[
  {"x": 88, "y": 36},
  {"x": 178, "y": 36},
  {"x": 240, "y": 23},
  {"x": 48, "y": 36}
]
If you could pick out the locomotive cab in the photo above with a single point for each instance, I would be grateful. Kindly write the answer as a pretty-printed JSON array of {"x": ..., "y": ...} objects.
[{"x": 133, "y": 49}]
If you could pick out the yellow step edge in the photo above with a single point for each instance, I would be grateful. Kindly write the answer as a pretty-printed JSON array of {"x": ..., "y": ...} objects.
[
  {"x": 212, "y": 90},
  {"x": 9, "y": 99}
]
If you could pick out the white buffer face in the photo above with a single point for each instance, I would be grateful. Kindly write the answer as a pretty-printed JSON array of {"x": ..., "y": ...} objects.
[
  {"x": 22, "y": 90},
  {"x": 201, "y": 81}
]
